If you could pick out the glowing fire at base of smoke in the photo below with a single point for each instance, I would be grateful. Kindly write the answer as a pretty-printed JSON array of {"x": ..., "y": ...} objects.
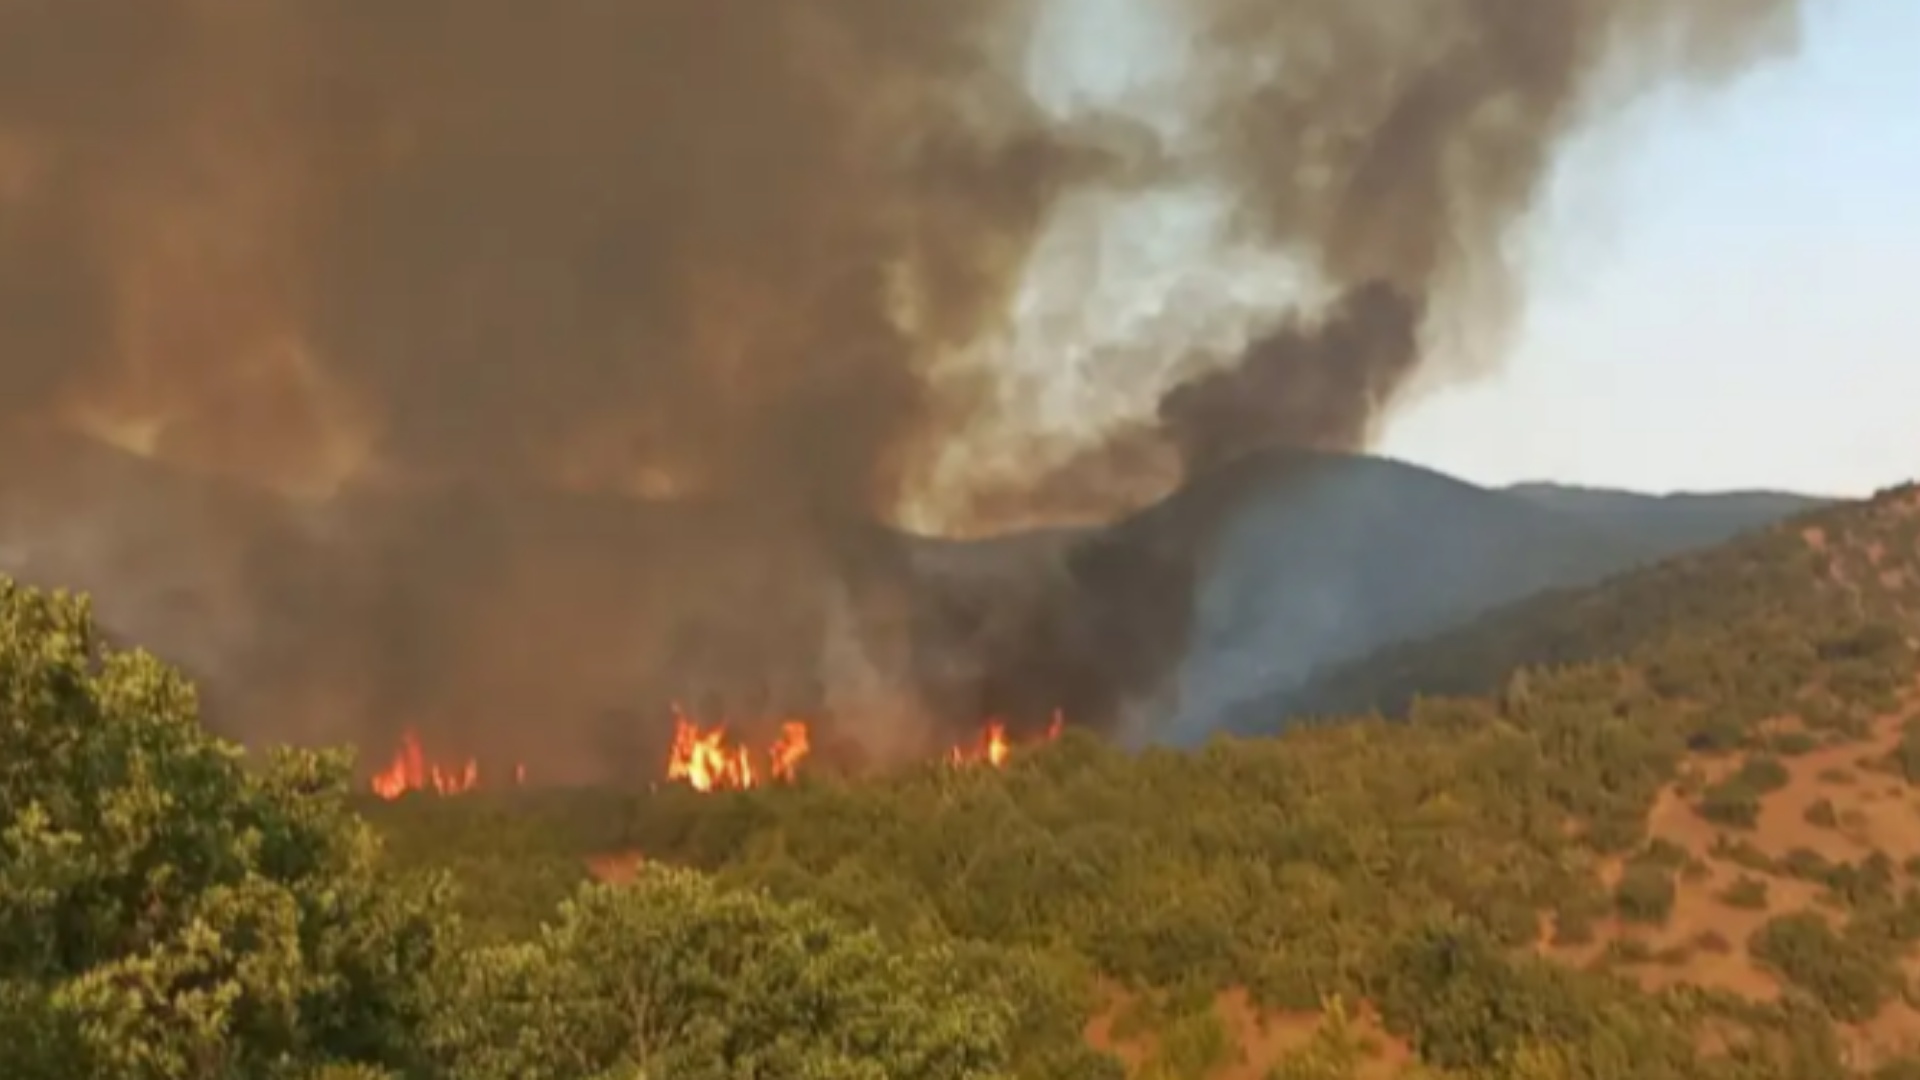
[
  {"x": 412, "y": 770},
  {"x": 994, "y": 748},
  {"x": 704, "y": 759}
]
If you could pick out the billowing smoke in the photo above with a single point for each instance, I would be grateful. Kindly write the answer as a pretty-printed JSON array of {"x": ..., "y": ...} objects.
[
  {"x": 1322, "y": 384},
  {"x": 534, "y": 363}
]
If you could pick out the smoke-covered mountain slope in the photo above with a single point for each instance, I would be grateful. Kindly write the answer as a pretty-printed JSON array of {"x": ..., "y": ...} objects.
[
  {"x": 1670, "y": 524},
  {"x": 1236, "y": 587},
  {"x": 1231, "y": 589},
  {"x": 1302, "y": 560},
  {"x": 1843, "y": 561}
]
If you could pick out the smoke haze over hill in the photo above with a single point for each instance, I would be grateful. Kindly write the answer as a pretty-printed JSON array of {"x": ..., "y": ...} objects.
[{"x": 728, "y": 276}]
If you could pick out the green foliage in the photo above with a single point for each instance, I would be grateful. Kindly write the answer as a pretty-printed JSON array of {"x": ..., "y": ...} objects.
[
  {"x": 1645, "y": 893},
  {"x": 1746, "y": 892},
  {"x": 1730, "y": 803},
  {"x": 1742, "y": 853},
  {"x": 1334, "y": 1053},
  {"x": 166, "y": 911},
  {"x": 1469, "y": 1005},
  {"x": 1904, "y": 761},
  {"x": 1851, "y": 978},
  {"x": 1794, "y": 743},
  {"x": 674, "y": 976},
  {"x": 517, "y": 856},
  {"x": 1195, "y": 1044},
  {"x": 1735, "y": 801},
  {"x": 1763, "y": 774},
  {"x": 1821, "y": 814}
]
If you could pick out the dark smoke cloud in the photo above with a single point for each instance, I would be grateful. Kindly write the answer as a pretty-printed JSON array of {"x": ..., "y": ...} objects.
[
  {"x": 468, "y": 254},
  {"x": 628, "y": 245},
  {"x": 1320, "y": 385},
  {"x": 590, "y": 340}
]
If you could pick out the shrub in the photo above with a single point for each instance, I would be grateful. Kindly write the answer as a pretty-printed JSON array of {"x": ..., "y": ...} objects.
[
  {"x": 1713, "y": 942},
  {"x": 1850, "y": 978},
  {"x": 1794, "y": 743},
  {"x": 1730, "y": 803},
  {"x": 686, "y": 978},
  {"x": 1747, "y": 893},
  {"x": 1645, "y": 893}
]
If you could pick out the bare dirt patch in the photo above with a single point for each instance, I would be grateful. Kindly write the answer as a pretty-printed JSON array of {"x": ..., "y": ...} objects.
[
  {"x": 1875, "y": 813},
  {"x": 1703, "y": 942}
]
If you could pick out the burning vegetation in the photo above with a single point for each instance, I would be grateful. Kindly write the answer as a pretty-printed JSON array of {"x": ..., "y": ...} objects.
[
  {"x": 705, "y": 760},
  {"x": 411, "y": 769},
  {"x": 703, "y": 757}
]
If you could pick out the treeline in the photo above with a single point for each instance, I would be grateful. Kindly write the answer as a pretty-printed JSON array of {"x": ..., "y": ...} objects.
[{"x": 169, "y": 911}]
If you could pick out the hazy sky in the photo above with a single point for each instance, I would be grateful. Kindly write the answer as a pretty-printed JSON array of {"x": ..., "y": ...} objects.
[
  {"x": 1725, "y": 285},
  {"x": 1728, "y": 291}
]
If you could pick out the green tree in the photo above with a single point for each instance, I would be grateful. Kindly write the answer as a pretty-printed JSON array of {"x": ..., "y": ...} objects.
[
  {"x": 673, "y": 976},
  {"x": 167, "y": 911}
]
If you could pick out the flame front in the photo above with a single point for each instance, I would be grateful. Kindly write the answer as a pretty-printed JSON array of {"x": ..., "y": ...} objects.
[
  {"x": 705, "y": 760},
  {"x": 788, "y": 750},
  {"x": 994, "y": 748},
  {"x": 412, "y": 770}
]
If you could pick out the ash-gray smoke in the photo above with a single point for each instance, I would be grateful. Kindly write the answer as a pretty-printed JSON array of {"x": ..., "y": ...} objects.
[{"x": 581, "y": 345}]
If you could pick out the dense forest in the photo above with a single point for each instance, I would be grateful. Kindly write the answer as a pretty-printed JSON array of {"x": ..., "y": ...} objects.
[{"x": 1667, "y": 827}]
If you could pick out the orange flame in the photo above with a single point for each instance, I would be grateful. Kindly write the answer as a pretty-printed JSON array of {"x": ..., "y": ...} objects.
[
  {"x": 789, "y": 749},
  {"x": 706, "y": 761},
  {"x": 411, "y": 770},
  {"x": 994, "y": 747}
]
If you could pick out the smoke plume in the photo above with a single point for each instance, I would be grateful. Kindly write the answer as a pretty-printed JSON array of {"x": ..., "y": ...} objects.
[{"x": 533, "y": 363}]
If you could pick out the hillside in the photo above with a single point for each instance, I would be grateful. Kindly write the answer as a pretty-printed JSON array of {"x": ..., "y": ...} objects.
[
  {"x": 1243, "y": 583},
  {"x": 1671, "y": 839},
  {"x": 1301, "y": 560},
  {"x": 1234, "y": 588},
  {"x": 1696, "y": 598},
  {"x": 1670, "y": 524},
  {"x": 1689, "y": 855}
]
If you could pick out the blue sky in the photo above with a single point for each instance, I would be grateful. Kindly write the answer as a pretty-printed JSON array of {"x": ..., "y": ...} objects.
[
  {"x": 1724, "y": 285},
  {"x": 1728, "y": 290}
]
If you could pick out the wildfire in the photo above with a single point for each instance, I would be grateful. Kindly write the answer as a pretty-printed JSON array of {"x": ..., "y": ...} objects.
[
  {"x": 994, "y": 748},
  {"x": 706, "y": 759},
  {"x": 411, "y": 770}
]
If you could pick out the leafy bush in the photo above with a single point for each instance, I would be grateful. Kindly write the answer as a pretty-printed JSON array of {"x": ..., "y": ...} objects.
[
  {"x": 1851, "y": 979},
  {"x": 1746, "y": 892},
  {"x": 1645, "y": 893},
  {"x": 1730, "y": 803},
  {"x": 674, "y": 976}
]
